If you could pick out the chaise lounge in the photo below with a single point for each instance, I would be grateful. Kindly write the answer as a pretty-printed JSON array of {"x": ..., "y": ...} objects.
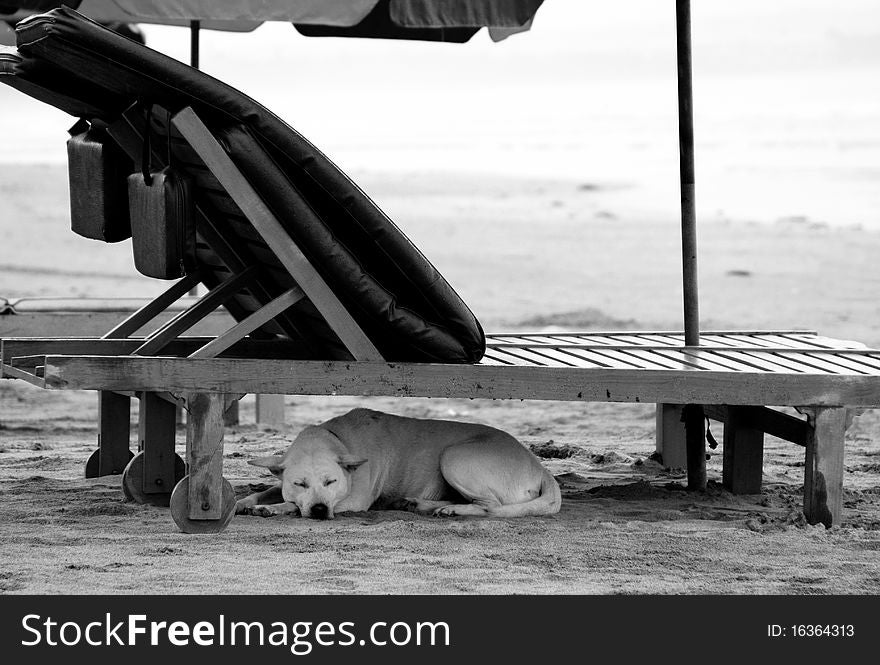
[{"x": 331, "y": 298}]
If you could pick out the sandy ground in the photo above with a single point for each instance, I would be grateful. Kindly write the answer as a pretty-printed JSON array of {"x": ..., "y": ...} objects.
[{"x": 524, "y": 254}]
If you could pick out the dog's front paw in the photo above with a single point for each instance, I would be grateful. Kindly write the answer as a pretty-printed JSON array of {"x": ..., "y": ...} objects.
[
  {"x": 243, "y": 507},
  {"x": 461, "y": 510},
  {"x": 264, "y": 511},
  {"x": 273, "y": 509}
]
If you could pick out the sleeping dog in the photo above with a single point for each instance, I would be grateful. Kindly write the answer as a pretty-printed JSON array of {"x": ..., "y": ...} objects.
[{"x": 367, "y": 459}]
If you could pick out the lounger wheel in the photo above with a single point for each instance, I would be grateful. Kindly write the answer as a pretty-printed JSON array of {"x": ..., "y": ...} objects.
[
  {"x": 93, "y": 465},
  {"x": 180, "y": 509},
  {"x": 133, "y": 481}
]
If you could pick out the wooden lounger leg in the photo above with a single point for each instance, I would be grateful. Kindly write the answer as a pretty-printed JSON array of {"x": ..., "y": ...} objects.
[
  {"x": 231, "y": 417},
  {"x": 203, "y": 501},
  {"x": 823, "y": 474},
  {"x": 114, "y": 423},
  {"x": 671, "y": 443},
  {"x": 270, "y": 410},
  {"x": 743, "y": 454},
  {"x": 151, "y": 474}
]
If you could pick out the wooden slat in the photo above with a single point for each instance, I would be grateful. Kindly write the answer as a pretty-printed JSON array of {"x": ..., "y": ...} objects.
[
  {"x": 729, "y": 341},
  {"x": 781, "y": 340},
  {"x": 525, "y": 344},
  {"x": 828, "y": 342},
  {"x": 495, "y": 340},
  {"x": 569, "y": 340},
  {"x": 192, "y": 315},
  {"x": 539, "y": 340},
  {"x": 486, "y": 360},
  {"x": 15, "y": 373},
  {"x": 248, "y": 325},
  {"x": 760, "y": 361},
  {"x": 155, "y": 307},
  {"x": 700, "y": 362},
  {"x": 506, "y": 358},
  {"x": 712, "y": 356},
  {"x": 566, "y": 357},
  {"x": 809, "y": 359},
  {"x": 657, "y": 359},
  {"x": 774, "y": 423},
  {"x": 603, "y": 340},
  {"x": 321, "y": 296},
  {"x": 850, "y": 361},
  {"x": 792, "y": 365},
  {"x": 632, "y": 340},
  {"x": 603, "y": 359},
  {"x": 665, "y": 340},
  {"x": 182, "y": 346},
  {"x": 642, "y": 361},
  {"x": 871, "y": 358},
  {"x": 238, "y": 259},
  {"x": 538, "y": 359},
  {"x": 469, "y": 381},
  {"x": 27, "y": 362},
  {"x": 678, "y": 334}
]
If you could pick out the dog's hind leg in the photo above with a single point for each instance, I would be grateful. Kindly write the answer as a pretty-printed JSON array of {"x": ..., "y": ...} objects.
[
  {"x": 500, "y": 477},
  {"x": 470, "y": 480}
]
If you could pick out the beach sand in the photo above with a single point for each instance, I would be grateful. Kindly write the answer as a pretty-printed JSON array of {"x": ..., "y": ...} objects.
[{"x": 526, "y": 255}]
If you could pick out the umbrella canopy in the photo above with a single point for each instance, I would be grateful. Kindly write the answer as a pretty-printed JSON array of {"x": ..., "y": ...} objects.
[{"x": 431, "y": 20}]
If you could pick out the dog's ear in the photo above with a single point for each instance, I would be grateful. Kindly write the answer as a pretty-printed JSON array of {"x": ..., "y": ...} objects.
[
  {"x": 350, "y": 462},
  {"x": 271, "y": 462}
]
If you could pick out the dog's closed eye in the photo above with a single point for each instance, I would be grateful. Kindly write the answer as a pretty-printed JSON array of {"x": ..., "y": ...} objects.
[
  {"x": 329, "y": 482},
  {"x": 302, "y": 484}
]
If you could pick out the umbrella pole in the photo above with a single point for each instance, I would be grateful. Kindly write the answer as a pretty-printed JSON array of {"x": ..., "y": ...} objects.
[
  {"x": 686, "y": 170},
  {"x": 194, "y": 29},
  {"x": 695, "y": 435}
]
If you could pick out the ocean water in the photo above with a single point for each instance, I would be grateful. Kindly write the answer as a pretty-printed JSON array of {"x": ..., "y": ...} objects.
[{"x": 787, "y": 103}]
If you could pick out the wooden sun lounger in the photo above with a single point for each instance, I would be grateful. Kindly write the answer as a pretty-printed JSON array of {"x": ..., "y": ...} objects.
[
  {"x": 253, "y": 266},
  {"x": 733, "y": 376}
]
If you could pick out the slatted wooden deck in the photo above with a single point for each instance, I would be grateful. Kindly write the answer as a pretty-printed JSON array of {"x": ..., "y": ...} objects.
[{"x": 775, "y": 352}]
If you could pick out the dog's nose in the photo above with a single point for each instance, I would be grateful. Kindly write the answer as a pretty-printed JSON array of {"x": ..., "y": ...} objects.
[{"x": 319, "y": 511}]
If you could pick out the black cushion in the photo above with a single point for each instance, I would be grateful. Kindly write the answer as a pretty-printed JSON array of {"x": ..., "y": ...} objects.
[{"x": 390, "y": 288}]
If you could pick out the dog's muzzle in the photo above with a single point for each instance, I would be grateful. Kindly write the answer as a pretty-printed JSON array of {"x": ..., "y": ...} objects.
[{"x": 319, "y": 512}]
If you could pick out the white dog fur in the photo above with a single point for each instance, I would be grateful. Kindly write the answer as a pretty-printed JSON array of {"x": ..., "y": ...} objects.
[{"x": 367, "y": 459}]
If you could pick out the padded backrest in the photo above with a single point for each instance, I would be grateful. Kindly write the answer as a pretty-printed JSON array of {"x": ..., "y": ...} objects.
[{"x": 397, "y": 296}]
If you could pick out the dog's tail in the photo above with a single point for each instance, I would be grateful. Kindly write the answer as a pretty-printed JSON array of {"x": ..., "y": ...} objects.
[{"x": 548, "y": 501}]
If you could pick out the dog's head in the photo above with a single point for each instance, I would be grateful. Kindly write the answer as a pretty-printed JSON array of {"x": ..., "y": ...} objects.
[{"x": 315, "y": 472}]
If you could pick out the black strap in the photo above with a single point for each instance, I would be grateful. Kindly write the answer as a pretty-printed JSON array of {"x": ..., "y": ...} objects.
[
  {"x": 147, "y": 149},
  {"x": 713, "y": 443},
  {"x": 168, "y": 162}
]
